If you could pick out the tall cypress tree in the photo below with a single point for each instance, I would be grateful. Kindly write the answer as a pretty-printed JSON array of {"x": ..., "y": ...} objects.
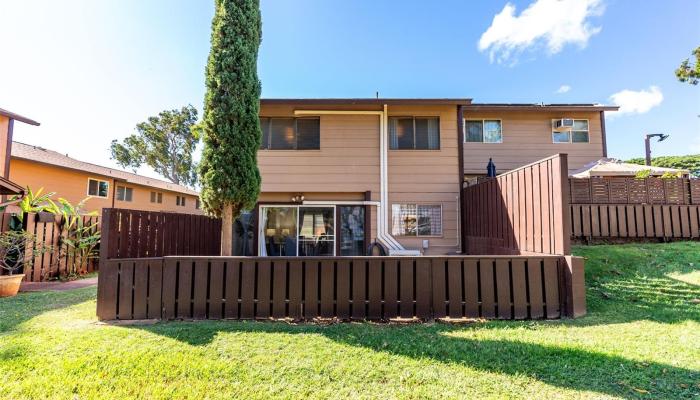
[{"x": 229, "y": 169}]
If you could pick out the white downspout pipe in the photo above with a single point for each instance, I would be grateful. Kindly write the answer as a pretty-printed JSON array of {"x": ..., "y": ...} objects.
[{"x": 383, "y": 235}]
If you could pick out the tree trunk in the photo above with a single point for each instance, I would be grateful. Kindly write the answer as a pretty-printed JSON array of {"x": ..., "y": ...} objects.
[{"x": 227, "y": 231}]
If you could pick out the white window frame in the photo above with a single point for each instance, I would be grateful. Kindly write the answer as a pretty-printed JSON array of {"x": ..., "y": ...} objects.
[
  {"x": 442, "y": 227},
  {"x": 261, "y": 228},
  {"x": 116, "y": 194},
  {"x": 571, "y": 131},
  {"x": 98, "y": 188},
  {"x": 483, "y": 123}
]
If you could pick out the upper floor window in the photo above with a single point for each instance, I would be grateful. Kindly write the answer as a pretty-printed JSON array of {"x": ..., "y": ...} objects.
[
  {"x": 290, "y": 133},
  {"x": 98, "y": 188},
  {"x": 156, "y": 197},
  {"x": 416, "y": 219},
  {"x": 197, "y": 203},
  {"x": 575, "y": 132},
  {"x": 124, "y": 193},
  {"x": 483, "y": 131},
  {"x": 180, "y": 201},
  {"x": 414, "y": 133}
]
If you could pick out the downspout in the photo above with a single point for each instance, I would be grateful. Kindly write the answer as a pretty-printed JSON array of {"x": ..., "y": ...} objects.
[{"x": 382, "y": 216}]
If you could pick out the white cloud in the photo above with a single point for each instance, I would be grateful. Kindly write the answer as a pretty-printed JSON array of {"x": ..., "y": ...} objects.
[
  {"x": 637, "y": 102},
  {"x": 552, "y": 23},
  {"x": 563, "y": 89}
]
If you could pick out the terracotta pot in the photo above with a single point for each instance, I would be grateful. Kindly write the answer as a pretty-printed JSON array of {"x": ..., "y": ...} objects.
[{"x": 9, "y": 284}]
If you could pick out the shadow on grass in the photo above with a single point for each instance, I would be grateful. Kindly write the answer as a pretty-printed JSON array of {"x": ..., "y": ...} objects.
[
  {"x": 624, "y": 284},
  {"x": 632, "y": 282},
  {"x": 559, "y": 366},
  {"x": 27, "y": 305}
]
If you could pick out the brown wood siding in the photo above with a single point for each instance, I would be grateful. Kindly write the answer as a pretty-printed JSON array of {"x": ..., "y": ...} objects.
[
  {"x": 348, "y": 163},
  {"x": 348, "y": 159},
  {"x": 527, "y": 137},
  {"x": 428, "y": 177}
]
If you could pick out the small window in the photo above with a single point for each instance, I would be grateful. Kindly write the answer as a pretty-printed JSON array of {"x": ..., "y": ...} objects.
[
  {"x": 290, "y": 133},
  {"x": 416, "y": 220},
  {"x": 180, "y": 201},
  {"x": 578, "y": 133},
  {"x": 156, "y": 197},
  {"x": 409, "y": 133},
  {"x": 98, "y": 188},
  {"x": 483, "y": 131},
  {"x": 197, "y": 203},
  {"x": 124, "y": 193}
]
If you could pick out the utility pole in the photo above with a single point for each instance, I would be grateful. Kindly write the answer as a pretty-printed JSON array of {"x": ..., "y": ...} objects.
[{"x": 647, "y": 144}]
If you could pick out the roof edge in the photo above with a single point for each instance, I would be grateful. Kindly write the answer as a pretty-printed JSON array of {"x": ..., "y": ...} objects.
[
  {"x": 370, "y": 101},
  {"x": 17, "y": 117},
  {"x": 542, "y": 107}
]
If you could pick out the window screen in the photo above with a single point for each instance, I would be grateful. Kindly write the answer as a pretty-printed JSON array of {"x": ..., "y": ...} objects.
[
  {"x": 416, "y": 220},
  {"x": 265, "y": 128},
  {"x": 308, "y": 133},
  {"x": 282, "y": 134},
  {"x": 409, "y": 133},
  {"x": 290, "y": 133}
]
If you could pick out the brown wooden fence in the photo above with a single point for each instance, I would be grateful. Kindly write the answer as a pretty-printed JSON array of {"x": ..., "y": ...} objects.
[
  {"x": 372, "y": 288},
  {"x": 134, "y": 233},
  {"x": 524, "y": 211},
  {"x": 59, "y": 261},
  {"x": 630, "y": 190},
  {"x": 614, "y": 221}
]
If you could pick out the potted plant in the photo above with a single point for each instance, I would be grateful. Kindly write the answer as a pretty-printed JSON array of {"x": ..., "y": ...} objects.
[{"x": 17, "y": 249}]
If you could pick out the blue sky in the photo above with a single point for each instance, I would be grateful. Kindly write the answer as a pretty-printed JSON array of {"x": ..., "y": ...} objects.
[{"x": 89, "y": 71}]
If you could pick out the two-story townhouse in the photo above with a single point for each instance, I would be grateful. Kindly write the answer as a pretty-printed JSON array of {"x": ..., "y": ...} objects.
[{"x": 341, "y": 174}]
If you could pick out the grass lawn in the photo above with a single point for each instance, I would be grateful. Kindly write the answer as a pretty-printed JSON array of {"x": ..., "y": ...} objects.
[{"x": 641, "y": 339}]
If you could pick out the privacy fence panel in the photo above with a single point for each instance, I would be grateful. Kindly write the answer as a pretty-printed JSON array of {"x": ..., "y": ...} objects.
[
  {"x": 134, "y": 233},
  {"x": 347, "y": 288},
  {"x": 631, "y": 190},
  {"x": 662, "y": 221},
  {"x": 60, "y": 260},
  {"x": 524, "y": 211}
]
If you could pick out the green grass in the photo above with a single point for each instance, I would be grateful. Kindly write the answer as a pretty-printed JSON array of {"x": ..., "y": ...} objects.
[{"x": 641, "y": 339}]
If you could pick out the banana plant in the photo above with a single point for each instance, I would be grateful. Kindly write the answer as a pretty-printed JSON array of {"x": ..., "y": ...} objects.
[
  {"x": 34, "y": 202},
  {"x": 81, "y": 240}
]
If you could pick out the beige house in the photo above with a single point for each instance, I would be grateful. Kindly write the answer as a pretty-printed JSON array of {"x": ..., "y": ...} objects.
[{"x": 341, "y": 174}]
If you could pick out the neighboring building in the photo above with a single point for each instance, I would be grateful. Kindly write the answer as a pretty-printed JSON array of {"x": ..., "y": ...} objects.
[
  {"x": 7, "y": 122},
  {"x": 514, "y": 135},
  {"x": 339, "y": 174},
  {"x": 75, "y": 180}
]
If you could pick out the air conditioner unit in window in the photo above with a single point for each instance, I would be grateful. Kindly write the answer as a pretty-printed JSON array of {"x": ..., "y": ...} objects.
[{"x": 563, "y": 124}]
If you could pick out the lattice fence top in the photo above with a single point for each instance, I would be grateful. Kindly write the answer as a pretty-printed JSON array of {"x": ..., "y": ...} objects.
[{"x": 630, "y": 190}]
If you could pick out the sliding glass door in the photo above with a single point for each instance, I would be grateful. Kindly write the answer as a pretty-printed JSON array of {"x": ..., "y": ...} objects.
[
  {"x": 352, "y": 230},
  {"x": 297, "y": 231}
]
